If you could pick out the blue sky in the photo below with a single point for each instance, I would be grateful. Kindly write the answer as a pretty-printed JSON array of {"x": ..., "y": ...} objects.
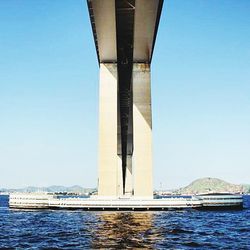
[{"x": 49, "y": 93}]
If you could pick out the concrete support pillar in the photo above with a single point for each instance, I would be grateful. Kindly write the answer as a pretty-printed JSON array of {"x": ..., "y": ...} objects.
[
  {"x": 110, "y": 169},
  {"x": 142, "y": 131}
]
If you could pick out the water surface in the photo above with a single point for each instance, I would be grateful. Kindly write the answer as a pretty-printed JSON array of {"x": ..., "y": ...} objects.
[{"x": 187, "y": 229}]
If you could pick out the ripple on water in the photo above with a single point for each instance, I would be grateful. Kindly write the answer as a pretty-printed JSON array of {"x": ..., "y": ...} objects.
[{"x": 161, "y": 230}]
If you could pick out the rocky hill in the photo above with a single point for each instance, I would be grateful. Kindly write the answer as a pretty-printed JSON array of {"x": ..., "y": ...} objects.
[
  {"x": 246, "y": 188},
  {"x": 207, "y": 185}
]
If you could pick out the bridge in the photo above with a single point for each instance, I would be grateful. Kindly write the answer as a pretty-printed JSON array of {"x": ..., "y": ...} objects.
[{"x": 124, "y": 33}]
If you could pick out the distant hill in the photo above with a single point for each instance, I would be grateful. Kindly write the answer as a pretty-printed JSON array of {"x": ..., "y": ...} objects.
[
  {"x": 207, "y": 185},
  {"x": 52, "y": 189},
  {"x": 246, "y": 188},
  {"x": 203, "y": 185}
]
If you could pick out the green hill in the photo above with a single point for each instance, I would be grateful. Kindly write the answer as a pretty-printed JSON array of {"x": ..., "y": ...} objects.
[
  {"x": 246, "y": 188},
  {"x": 210, "y": 185}
]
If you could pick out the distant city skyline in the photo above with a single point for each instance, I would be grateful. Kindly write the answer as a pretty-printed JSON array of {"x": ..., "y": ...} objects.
[{"x": 49, "y": 93}]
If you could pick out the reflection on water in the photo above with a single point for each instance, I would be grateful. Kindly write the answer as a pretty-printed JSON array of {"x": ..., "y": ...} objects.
[
  {"x": 125, "y": 229},
  {"x": 187, "y": 229}
]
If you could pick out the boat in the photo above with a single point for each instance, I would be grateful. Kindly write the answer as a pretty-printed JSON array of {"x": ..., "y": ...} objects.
[
  {"x": 220, "y": 201},
  {"x": 30, "y": 200}
]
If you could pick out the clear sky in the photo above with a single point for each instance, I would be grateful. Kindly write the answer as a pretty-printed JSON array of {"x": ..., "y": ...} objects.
[{"x": 49, "y": 93}]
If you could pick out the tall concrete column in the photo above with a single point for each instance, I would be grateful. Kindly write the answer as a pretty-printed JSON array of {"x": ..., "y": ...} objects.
[
  {"x": 142, "y": 131},
  {"x": 110, "y": 169}
]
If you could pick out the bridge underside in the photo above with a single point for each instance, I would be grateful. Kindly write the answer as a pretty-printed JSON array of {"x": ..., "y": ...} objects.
[{"x": 124, "y": 33}]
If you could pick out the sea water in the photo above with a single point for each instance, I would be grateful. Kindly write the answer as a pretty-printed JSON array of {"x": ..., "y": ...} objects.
[{"x": 186, "y": 229}]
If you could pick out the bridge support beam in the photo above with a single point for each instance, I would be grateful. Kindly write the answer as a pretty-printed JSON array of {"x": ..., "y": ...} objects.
[
  {"x": 124, "y": 35},
  {"x": 110, "y": 164},
  {"x": 142, "y": 131}
]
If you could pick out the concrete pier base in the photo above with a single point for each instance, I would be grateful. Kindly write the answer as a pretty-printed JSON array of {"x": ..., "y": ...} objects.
[
  {"x": 26, "y": 201},
  {"x": 48, "y": 201}
]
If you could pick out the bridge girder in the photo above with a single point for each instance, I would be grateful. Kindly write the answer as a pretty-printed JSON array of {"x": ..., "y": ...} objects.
[{"x": 103, "y": 16}]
